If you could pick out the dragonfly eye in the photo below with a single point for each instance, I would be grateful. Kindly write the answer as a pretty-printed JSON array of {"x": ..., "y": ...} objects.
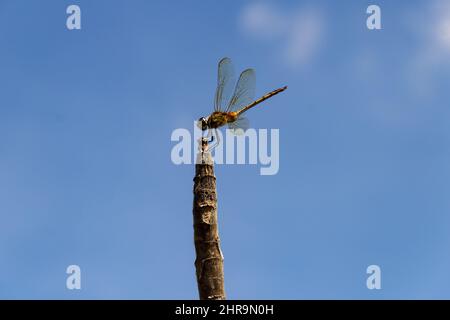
[{"x": 202, "y": 123}]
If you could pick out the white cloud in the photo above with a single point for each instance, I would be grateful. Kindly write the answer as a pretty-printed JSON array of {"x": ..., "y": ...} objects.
[
  {"x": 433, "y": 54},
  {"x": 304, "y": 37},
  {"x": 262, "y": 21},
  {"x": 440, "y": 30},
  {"x": 299, "y": 32}
]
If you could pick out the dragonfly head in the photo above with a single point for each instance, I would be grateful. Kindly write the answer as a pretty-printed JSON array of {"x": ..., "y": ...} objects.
[{"x": 202, "y": 123}]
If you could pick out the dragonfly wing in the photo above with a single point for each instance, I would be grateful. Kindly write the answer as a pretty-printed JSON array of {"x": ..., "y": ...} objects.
[
  {"x": 225, "y": 81},
  {"x": 244, "y": 92},
  {"x": 239, "y": 126}
]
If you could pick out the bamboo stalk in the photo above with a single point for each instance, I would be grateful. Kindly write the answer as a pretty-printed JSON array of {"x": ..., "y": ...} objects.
[{"x": 209, "y": 258}]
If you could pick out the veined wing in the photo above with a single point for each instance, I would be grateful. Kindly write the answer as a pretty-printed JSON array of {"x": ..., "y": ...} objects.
[
  {"x": 239, "y": 126},
  {"x": 225, "y": 81},
  {"x": 244, "y": 92}
]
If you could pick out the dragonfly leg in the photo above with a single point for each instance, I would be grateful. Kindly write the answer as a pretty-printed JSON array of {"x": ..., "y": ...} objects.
[
  {"x": 217, "y": 136},
  {"x": 210, "y": 138},
  {"x": 210, "y": 135},
  {"x": 211, "y": 147}
]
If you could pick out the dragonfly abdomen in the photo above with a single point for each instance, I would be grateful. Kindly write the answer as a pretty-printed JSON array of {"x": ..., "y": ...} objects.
[{"x": 263, "y": 98}]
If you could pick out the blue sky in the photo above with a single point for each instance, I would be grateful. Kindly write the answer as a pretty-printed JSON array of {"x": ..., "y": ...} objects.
[{"x": 86, "y": 176}]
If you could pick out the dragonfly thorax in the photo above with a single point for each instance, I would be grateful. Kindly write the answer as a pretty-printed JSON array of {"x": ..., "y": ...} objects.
[{"x": 218, "y": 119}]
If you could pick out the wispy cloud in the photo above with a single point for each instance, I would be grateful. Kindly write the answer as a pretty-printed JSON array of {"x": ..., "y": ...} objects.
[
  {"x": 299, "y": 33},
  {"x": 262, "y": 21},
  {"x": 440, "y": 29},
  {"x": 433, "y": 53}
]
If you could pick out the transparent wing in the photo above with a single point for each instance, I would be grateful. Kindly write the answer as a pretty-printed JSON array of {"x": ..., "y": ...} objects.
[
  {"x": 244, "y": 92},
  {"x": 239, "y": 126},
  {"x": 225, "y": 81}
]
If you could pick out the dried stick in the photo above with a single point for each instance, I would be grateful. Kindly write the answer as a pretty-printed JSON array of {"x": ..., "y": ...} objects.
[{"x": 209, "y": 261}]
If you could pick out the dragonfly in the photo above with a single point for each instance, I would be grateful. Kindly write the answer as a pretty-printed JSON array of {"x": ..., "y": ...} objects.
[{"x": 229, "y": 109}]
